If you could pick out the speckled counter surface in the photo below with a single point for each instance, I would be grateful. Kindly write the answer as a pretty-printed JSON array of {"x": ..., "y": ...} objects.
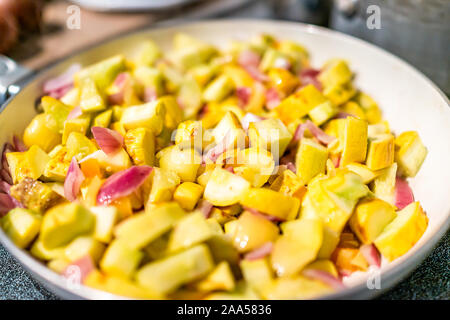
[{"x": 431, "y": 280}]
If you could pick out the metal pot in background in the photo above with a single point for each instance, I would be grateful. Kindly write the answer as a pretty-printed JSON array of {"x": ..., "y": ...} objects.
[{"x": 415, "y": 30}]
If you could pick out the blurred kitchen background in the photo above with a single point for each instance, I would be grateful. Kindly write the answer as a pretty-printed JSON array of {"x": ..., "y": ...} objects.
[{"x": 36, "y": 32}]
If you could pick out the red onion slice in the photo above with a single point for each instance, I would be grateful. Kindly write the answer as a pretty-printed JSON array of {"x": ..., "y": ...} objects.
[
  {"x": 18, "y": 144},
  {"x": 110, "y": 141},
  {"x": 214, "y": 153},
  {"x": 4, "y": 187},
  {"x": 273, "y": 99},
  {"x": 205, "y": 207},
  {"x": 371, "y": 254},
  {"x": 325, "y": 277},
  {"x": 73, "y": 181},
  {"x": 7, "y": 203},
  {"x": 343, "y": 115},
  {"x": 75, "y": 113},
  {"x": 59, "y": 85},
  {"x": 243, "y": 94},
  {"x": 249, "y": 58},
  {"x": 122, "y": 184},
  {"x": 5, "y": 175},
  {"x": 260, "y": 252},
  {"x": 309, "y": 76},
  {"x": 315, "y": 131},
  {"x": 78, "y": 270},
  {"x": 403, "y": 193},
  {"x": 291, "y": 167},
  {"x": 256, "y": 74}
]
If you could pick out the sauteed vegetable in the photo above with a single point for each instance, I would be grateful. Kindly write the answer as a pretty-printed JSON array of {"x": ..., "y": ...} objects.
[{"x": 202, "y": 173}]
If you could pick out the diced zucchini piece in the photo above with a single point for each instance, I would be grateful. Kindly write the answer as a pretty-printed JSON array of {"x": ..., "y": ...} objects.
[
  {"x": 189, "y": 231},
  {"x": 375, "y": 130},
  {"x": 79, "y": 146},
  {"x": 403, "y": 232},
  {"x": 283, "y": 81},
  {"x": 56, "y": 169},
  {"x": 187, "y": 195},
  {"x": 57, "y": 110},
  {"x": 218, "y": 89},
  {"x": 323, "y": 265},
  {"x": 270, "y": 134},
  {"x": 103, "y": 73},
  {"x": 64, "y": 222},
  {"x": 270, "y": 59},
  {"x": 40, "y": 251},
  {"x": 103, "y": 119},
  {"x": 141, "y": 229},
  {"x": 119, "y": 286},
  {"x": 410, "y": 153},
  {"x": 22, "y": 226},
  {"x": 72, "y": 97},
  {"x": 163, "y": 185},
  {"x": 111, "y": 163},
  {"x": 333, "y": 199},
  {"x": 298, "y": 246},
  {"x": 349, "y": 259},
  {"x": 373, "y": 112},
  {"x": 174, "y": 113},
  {"x": 330, "y": 241},
  {"x": 363, "y": 171},
  {"x": 229, "y": 131},
  {"x": 58, "y": 265},
  {"x": 42, "y": 131},
  {"x": 257, "y": 273},
  {"x": 150, "y": 115},
  {"x": 91, "y": 99},
  {"x": 381, "y": 152},
  {"x": 383, "y": 186},
  {"x": 255, "y": 165},
  {"x": 147, "y": 53},
  {"x": 84, "y": 246},
  {"x": 225, "y": 188},
  {"x": 354, "y": 141},
  {"x": 272, "y": 203},
  {"x": 35, "y": 195},
  {"x": 345, "y": 188},
  {"x": 80, "y": 125},
  {"x": 106, "y": 218},
  {"x": 335, "y": 72},
  {"x": 299, "y": 104},
  {"x": 370, "y": 218},
  {"x": 189, "y": 134},
  {"x": 290, "y": 184},
  {"x": 221, "y": 278},
  {"x": 339, "y": 94},
  {"x": 29, "y": 164},
  {"x": 322, "y": 113},
  {"x": 311, "y": 159},
  {"x": 120, "y": 260},
  {"x": 183, "y": 162},
  {"x": 140, "y": 145},
  {"x": 252, "y": 231},
  {"x": 166, "y": 275}
]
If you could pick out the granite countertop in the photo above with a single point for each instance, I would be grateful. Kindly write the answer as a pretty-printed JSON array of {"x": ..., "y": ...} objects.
[{"x": 430, "y": 281}]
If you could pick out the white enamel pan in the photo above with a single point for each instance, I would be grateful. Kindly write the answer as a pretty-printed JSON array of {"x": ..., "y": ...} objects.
[{"x": 408, "y": 99}]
